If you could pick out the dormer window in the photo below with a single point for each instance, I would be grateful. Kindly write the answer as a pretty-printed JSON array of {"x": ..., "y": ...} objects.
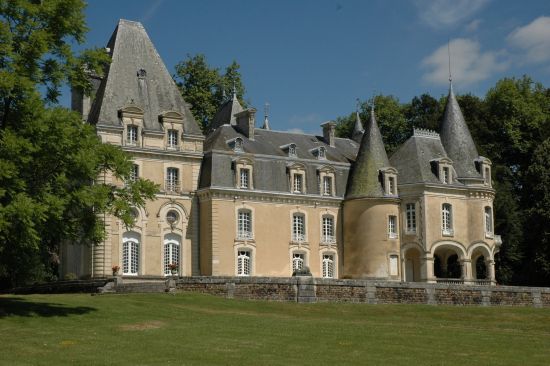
[
  {"x": 131, "y": 135},
  {"x": 483, "y": 166},
  {"x": 172, "y": 139},
  {"x": 297, "y": 176},
  {"x": 320, "y": 153},
  {"x": 487, "y": 176},
  {"x": 446, "y": 175},
  {"x": 243, "y": 173},
  {"x": 292, "y": 150},
  {"x": 297, "y": 183},
  {"x": 443, "y": 169},
  {"x": 236, "y": 144},
  {"x": 389, "y": 179}
]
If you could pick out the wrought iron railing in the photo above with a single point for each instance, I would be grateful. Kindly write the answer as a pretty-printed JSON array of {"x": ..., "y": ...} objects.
[{"x": 172, "y": 186}]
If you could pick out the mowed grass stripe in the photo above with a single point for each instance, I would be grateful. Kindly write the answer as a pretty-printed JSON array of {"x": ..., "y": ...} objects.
[{"x": 193, "y": 329}]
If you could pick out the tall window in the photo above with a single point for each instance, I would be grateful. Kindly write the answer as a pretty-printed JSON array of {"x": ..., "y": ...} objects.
[
  {"x": 297, "y": 262},
  {"x": 292, "y": 150},
  {"x": 411, "y": 217},
  {"x": 298, "y": 228},
  {"x": 327, "y": 186},
  {"x": 322, "y": 154},
  {"x": 131, "y": 135},
  {"x": 134, "y": 173},
  {"x": 446, "y": 175},
  {"x": 488, "y": 221},
  {"x": 243, "y": 263},
  {"x": 130, "y": 257},
  {"x": 244, "y": 178},
  {"x": 447, "y": 219},
  {"x": 328, "y": 230},
  {"x": 391, "y": 183},
  {"x": 172, "y": 180},
  {"x": 392, "y": 226},
  {"x": 328, "y": 266},
  {"x": 244, "y": 224},
  {"x": 298, "y": 183},
  {"x": 171, "y": 255},
  {"x": 172, "y": 139},
  {"x": 487, "y": 176}
]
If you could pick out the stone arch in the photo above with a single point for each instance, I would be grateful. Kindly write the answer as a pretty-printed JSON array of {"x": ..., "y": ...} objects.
[
  {"x": 481, "y": 258},
  {"x": 411, "y": 254},
  {"x": 448, "y": 258}
]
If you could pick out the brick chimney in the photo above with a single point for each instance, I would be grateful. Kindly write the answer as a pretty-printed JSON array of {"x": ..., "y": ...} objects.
[
  {"x": 246, "y": 122},
  {"x": 329, "y": 132}
]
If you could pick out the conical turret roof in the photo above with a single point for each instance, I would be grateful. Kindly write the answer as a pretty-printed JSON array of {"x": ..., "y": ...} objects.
[
  {"x": 457, "y": 140},
  {"x": 226, "y": 114},
  {"x": 371, "y": 157},
  {"x": 358, "y": 130}
]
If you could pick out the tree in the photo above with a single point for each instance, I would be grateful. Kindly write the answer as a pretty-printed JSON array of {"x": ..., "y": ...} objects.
[
  {"x": 205, "y": 88},
  {"x": 424, "y": 112},
  {"x": 49, "y": 159}
]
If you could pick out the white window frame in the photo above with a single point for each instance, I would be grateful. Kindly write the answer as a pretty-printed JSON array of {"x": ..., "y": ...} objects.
[
  {"x": 244, "y": 224},
  {"x": 410, "y": 217},
  {"x": 172, "y": 179},
  {"x": 244, "y": 178},
  {"x": 327, "y": 229},
  {"x": 292, "y": 150},
  {"x": 130, "y": 256},
  {"x": 299, "y": 227},
  {"x": 172, "y": 250},
  {"x": 244, "y": 263},
  {"x": 172, "y": 139},
  {"x": 327, "y": 185},
  {"x": 132, "y": 132},
  {"x": 328, "y": 265},
  {"x": 447, "y": 219},
  {"x": 488, "y": 214},
  {"x": 298, "y": 261},
  {"x": 134, "y": 173},
  {"x": 298, "y": 183},
  {"x": 392, "y": 227}
]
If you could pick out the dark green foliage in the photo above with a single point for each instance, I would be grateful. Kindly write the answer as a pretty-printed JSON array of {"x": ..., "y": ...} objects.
[
  {"x": 49, "y": 159},
  {"x": 206, "y": 88},
  {"x": 424, "y": 112}
]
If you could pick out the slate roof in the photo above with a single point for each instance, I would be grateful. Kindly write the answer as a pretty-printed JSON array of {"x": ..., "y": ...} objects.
[
  {"x": 358, "y": 130},
  {"x": 226, "y": 113},
  {"x": 457, "y": 140},
  {"x": 271, "y": 160},
  {"x": 412, "y": 159},
  {"x": 156, "y": 92},
  {"x": 364, "y": 179}
]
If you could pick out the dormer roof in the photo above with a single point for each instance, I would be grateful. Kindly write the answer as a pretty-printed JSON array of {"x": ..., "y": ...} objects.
[{"x": 226, "y": 113}]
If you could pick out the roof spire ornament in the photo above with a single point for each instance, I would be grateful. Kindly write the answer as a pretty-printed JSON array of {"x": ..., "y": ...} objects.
[
  {"x": 234, "y": 90},
  {"x": 266, "y": 117},
  {"x": 358, "y": 130},
  {"x": 449, "y": 54}
]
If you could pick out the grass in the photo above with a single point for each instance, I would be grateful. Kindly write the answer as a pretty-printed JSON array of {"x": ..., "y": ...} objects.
[{"x": 192, "y": 329}]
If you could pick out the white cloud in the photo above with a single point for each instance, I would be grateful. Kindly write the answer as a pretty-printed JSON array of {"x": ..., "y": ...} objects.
[
  {"x": 473, "y": 25},
  {"x": 469, "y": 64},
  {"x": 151, "y": 10},
  {"x": 447, "y": 13},
  {"x": 533, "y": 39}
]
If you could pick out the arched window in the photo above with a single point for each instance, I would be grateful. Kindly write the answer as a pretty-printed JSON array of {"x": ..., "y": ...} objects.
[
  {"x": 244, "y": 224},
  {"x": 298, "y": 227},
  {"x": 244, "y": 263},
  {"x": 130, "y": 254},
  {"x": 328, "y": 230},
  {"x": 488, "y": 221},
  {"x": 298, "y": 260},
  {"x": 328, "y": 266},
  {"x": 447, "y": 219},
  {"x": 171, "y": 253}
]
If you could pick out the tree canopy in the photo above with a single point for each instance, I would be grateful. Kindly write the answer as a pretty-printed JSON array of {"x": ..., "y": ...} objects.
[
  {"x": 206, "y": 87},
  {"x": 51, "y": 163}
]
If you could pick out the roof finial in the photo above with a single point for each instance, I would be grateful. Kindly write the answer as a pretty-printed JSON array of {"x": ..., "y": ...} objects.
[
  {"x": 234, "y": 90},
  {"x": 357, "y": 105},
  {"x": 266, "y": 117},
  {"x": 449, "y": 53},
  {"x": 373, "y": 102}
]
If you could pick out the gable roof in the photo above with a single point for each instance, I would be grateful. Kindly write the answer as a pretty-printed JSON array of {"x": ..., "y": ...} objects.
[{"x": 137, "y": 76}]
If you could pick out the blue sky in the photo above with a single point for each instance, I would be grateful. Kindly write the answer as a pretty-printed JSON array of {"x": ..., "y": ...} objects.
[{"x": 310, "y": 60}]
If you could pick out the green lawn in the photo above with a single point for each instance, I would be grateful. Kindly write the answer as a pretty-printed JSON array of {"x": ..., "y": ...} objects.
[{"x": 191, "y": 329}]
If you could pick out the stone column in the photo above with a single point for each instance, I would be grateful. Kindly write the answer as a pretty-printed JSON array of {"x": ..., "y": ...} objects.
[
  {"x": 490, "y": 266},
  {"x": 427, "y": 269},
  {"x": 466, "y": 265}
]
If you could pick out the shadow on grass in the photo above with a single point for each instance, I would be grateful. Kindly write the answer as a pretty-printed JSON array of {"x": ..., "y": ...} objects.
[{"x": 17, "y": 306}]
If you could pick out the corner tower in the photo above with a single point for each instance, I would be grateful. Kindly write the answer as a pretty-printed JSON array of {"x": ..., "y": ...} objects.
[{"x": 371, "y": 212}]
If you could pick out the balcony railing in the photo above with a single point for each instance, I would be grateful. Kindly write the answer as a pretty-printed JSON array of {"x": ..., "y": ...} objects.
[
  {"x": 298, "y": 238},
  {"x": 483, "y": 282},
  {"x": 450, "y": 281},
  {"x": 328, "y": 239},
  {"x": 172, "y": 186},
  {"x": 447, "y": 232},
  {"x": 244, "y": 235}
]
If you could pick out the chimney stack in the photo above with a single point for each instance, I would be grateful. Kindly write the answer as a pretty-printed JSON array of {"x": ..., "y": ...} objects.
[
  {"x": 329, "y": 132},
  {"x": 246, "y": 121}
]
